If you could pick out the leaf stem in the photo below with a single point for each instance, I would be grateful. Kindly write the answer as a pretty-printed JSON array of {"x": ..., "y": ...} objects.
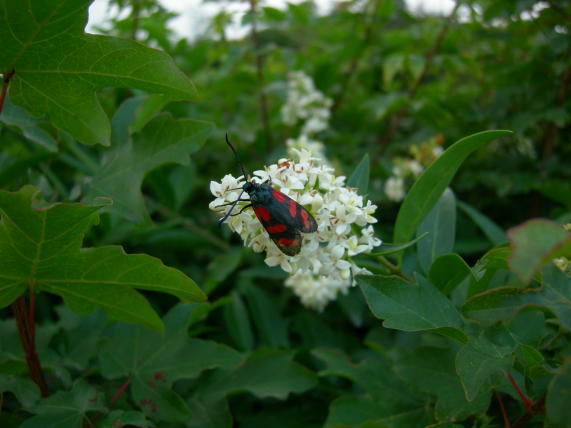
[
  {"x": 526, "y": 401},
  {"x": 394, "y": 269},
  {"x": 120, "y": 391},
  {"x": 26, "y": 332},
  {"x": 5, "y": 83},
  {"x": 503, "y": 410}
]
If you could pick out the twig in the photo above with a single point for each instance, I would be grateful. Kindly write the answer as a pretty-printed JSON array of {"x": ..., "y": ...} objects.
[
  {"x": 353, "y": 66},
  {"x": 263, "y": 100},
  {"x": 385, "y": 138},
  {"x": 526, "y": 401},
  {"x": 503, "y": 410},
  {"x": 5, "y": 83},
  {"x": 135, "y": 14},
  {"x": 26, "y": 333}
]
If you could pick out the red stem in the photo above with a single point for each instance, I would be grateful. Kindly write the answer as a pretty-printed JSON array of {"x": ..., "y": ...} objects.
[
  {"x": 26, "y": 333},
  {"x": 503, "y": 409},
  {"x": 526, "y": 401},
  {"x": 5, "y": 84},
  {"x": 122, "y": 388}
]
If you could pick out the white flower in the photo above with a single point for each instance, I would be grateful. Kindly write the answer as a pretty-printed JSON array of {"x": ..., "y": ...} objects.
[
  {"x": 394, "y": 189},
  {"x": 323, "y": 268},
  {"x": 305, "y": 104}
]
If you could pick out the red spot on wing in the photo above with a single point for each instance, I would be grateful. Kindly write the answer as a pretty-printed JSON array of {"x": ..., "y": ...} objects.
[
  {"x": 305, "y": 218},
  {"x": 292, "y": 208},
  {"x": 280, "y": 197},
  {"x": 276, "y": 228},
  {"x": 285, "y": 242},
  {"x": 262, "y": 213}
]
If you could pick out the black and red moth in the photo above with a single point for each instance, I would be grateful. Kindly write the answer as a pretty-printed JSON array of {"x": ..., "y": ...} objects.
[{"x": 282, "y": 217}]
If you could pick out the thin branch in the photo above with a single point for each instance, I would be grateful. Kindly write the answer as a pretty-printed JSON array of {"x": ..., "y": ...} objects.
[
  {"x": 526, "y": 401},
  {"x": 385, "y": 138},
  {"x": 503, "y": 410},
  {"x": 5, "y": 83},
  {"x": 262, "y": 98},
  {"x": 135, "y": 15},
  {"x": 26, "y": 334},
  {"x": 355, "y": 62}
]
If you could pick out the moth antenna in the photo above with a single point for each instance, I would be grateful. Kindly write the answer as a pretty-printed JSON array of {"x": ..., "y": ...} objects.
[
  {"x": 246, "y": 176},
  {"x": 223, "y": 219}
]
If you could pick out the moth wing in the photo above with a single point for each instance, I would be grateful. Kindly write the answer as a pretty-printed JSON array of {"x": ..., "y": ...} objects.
[{"x": 298, "y": 216}]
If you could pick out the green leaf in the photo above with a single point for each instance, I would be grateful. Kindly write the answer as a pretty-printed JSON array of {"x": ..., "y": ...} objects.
[
  {"x": 163, "y": 140},
  {"x": 492, "y": 265},
  {"x": 237, "y": 321},
  {"x": 66, "y": 408},
  {"x": 154, "y": 361},
  {"x": 25, "y": 390},
  {"x": 269, "y": 323},
  {"x": 147, "y": 109},
  {"x": 440, "y": 224},
  {"x": 374, "y": 375},
  {"x": 357, "y": 411},
  {"x": 431, "y": 184},
  {"x": 499, "y": 303},
  {"x": 535, "y": 243},
  {"x": 432, "y": 370},
  {"x": 477, "y": 361},
  {"x": 360, "y": 177},
  {"x": 397, "y": 248},
  {"x": 492, "y": 231},
  {"x": 120, "y": 418},
  {"x": 209, "y": 414},
  {"x": 265, "y": 373},
  {"x": 42, "y": 248},
  {"x": 448, "y": 271},
  {"x": 410, "y": 307},
  {"x": 556, "y": 294},
  {"x": 18, "y": 117},
  {"x": 58, "y": 67},
  {"x": 391, "y": 66},
  {"x": 559, "y": 397}
]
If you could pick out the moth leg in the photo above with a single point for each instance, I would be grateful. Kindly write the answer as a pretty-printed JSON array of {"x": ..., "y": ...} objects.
[
  {"x": 240, "y": 212},
  {"x": 233, "y": 202}
]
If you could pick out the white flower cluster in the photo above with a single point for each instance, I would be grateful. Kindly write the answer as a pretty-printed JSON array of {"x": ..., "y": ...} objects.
[
  {"x": 406, "y": 168},
  {"x": 305, "y": 104},
  {"x": 323, "y": 268}
]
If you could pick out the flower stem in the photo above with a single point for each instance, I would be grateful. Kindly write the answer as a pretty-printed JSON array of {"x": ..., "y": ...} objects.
[
  {"x": 503, "y": 410},
  {"x": 26, "y": 330}
]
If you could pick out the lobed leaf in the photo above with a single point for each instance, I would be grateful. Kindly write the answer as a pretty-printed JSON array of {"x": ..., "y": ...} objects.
[
  {"x": 164, "y": 140},
  {"x": 58, "y": 67},
  {"x": 40, "y": 249}
]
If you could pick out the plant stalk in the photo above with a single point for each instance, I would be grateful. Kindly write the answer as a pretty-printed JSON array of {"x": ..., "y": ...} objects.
[
  {"x": 263, "y": 99},
  {"x": 26, "y": 329},
  {"x": 5, "y": 84}
]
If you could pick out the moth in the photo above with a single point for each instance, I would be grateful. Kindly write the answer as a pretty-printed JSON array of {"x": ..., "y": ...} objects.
[{"x": 282, "y": 217}]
